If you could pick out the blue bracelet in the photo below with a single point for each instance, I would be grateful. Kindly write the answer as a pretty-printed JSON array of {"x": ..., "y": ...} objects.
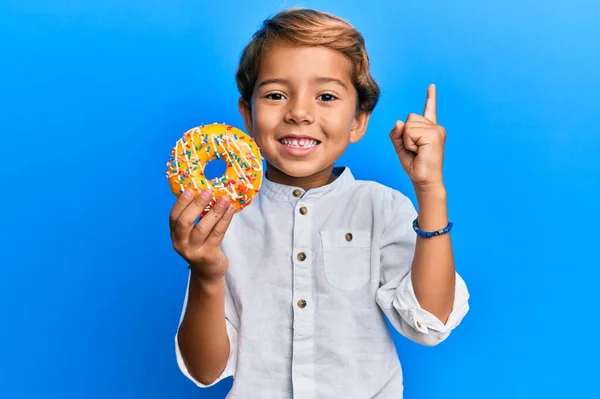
[{"x": 429, "y": 234}]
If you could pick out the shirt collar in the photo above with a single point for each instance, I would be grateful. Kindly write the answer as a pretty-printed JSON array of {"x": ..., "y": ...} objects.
[{"x": 292, "y": 193}]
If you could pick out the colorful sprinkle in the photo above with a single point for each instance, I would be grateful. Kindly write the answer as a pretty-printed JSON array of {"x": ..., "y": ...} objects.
[{"x": 185, "y": 164}]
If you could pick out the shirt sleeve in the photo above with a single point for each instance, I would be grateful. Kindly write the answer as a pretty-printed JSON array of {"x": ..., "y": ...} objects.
[
  {"x": 232, "y": 325},
  {"x": 396, "y": 296}
]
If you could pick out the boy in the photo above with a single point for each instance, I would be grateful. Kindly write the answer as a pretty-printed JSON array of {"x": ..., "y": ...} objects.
[{"x": 289, "y": 295}]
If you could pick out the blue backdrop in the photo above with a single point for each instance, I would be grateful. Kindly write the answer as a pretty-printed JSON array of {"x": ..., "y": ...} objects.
[{"x": 93, "y": 94}]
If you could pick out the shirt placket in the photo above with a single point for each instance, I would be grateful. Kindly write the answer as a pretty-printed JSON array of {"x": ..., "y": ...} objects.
[{"x": 303, "y": 376}]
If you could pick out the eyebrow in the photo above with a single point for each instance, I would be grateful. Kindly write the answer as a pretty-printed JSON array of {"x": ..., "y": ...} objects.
[
  {"x": 327, "y": 79},
  {"x": 323, "y": 79}
]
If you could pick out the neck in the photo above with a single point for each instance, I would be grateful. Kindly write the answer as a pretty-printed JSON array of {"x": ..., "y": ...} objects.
[{"x": 319, "y": 179}]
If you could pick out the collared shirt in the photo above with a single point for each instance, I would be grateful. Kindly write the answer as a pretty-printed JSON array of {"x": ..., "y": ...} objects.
[{"x": 312, "y": 275}]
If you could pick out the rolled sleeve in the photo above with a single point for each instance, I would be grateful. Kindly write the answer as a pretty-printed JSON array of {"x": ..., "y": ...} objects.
[
  {"x": 399, "y": 303},
  {"x": 396, "y": 296},
  {"x": 231, "y": 323}
]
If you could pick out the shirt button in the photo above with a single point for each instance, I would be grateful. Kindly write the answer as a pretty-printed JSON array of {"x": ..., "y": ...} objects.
[
  {"x": 301, "y": 303},
  {"x": 296, "y": 193},
  {"x": 418, "y": 324},
  {"x": 301, "y": 256},
  {"x": 348, "y": 236},
  {"x": 303, "y": 210}
]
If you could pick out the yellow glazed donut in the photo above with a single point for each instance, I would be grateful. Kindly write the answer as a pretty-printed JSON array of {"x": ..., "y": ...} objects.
[{"x": 202, "y": 144}]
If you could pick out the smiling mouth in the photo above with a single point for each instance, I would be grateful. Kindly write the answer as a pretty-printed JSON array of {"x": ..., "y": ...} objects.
[{"x": 299, "y": 142}]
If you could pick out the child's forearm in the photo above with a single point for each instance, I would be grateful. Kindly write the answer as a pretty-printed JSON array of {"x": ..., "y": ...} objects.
[
  {"x": 433, "y": 273},
  {"x": 202, "y": 335}
]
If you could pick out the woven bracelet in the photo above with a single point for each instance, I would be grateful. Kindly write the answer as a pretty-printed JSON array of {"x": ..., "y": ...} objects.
[{"x": 429, "y": 234}]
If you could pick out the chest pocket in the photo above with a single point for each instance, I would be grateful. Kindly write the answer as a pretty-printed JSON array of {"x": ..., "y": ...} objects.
[{"x": 347, "y": 257}]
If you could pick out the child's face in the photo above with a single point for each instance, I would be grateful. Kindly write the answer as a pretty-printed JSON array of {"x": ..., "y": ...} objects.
[{"x": 304, "y": 112}]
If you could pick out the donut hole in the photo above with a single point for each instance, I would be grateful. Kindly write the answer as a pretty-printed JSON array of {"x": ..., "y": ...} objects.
[{"x": 215, "y": 169}]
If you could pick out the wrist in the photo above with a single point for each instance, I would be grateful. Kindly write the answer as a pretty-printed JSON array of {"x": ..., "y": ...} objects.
[
  {"x": 432, "y": 208},
  {"x": 206, "y": 285},
  {"x": 430, "y": 191}
]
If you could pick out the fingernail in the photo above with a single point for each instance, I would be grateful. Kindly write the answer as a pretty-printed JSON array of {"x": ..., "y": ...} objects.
[
  {"x": 231, "y": 209},
  {"x": 206, "y": 194},
  {"x": 188, "y": 194},
  {"x": 222, "y": 201}
]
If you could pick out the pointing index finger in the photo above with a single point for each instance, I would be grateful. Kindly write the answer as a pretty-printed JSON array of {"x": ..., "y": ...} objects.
[{"x": 430, "y": 105}]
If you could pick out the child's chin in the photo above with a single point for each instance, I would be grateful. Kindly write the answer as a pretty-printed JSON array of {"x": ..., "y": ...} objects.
[{"x": 299, "y": 171}]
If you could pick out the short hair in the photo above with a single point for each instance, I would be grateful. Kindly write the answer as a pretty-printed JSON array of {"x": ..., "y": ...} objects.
[{"x": 307, "y": 27}]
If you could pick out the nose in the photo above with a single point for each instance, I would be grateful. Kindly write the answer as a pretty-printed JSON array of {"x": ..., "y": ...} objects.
[{"x": 300, "y": 111}]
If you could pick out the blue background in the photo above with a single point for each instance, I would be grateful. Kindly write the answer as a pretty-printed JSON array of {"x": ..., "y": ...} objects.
[{"x": 94, "y": 94}]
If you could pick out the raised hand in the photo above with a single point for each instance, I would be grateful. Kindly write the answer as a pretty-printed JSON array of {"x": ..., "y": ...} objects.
[
  {"x": 419, "y": 144},
  {"x": 200, "y": 243}
]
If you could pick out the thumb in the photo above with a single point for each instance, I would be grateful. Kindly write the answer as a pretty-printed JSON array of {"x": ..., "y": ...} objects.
[
  {"x": 397, "y": 137},
  {"x": 396, "y": 133}
]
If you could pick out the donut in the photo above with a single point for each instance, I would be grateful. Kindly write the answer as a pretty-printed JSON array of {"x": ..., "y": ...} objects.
[{"x": 202, "y": 144}]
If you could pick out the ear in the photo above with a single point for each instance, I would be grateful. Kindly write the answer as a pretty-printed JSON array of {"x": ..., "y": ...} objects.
[
  {"x": 359, "y": 126},
  {"x": 246, "y": 113}
]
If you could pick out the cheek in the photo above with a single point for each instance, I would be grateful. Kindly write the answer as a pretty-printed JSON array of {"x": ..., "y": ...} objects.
[
  {"x": 338, "y": 126},
  {"x": 263, "y": 125},
  {"x": 263, "y": 118}
]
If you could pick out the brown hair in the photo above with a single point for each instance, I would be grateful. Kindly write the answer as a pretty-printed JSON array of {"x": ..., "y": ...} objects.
[{"x": 306, "y": 27}]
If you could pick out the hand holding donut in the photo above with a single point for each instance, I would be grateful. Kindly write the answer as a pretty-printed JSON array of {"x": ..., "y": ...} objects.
[
  {"x": 419, "y": 144},
  {"x": 200, "y": 244}
]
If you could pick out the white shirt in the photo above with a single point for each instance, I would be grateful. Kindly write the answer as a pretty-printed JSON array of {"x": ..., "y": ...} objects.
[{"x": 311, "y": 276}]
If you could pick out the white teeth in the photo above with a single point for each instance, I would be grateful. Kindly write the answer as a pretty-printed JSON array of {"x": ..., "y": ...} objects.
[{"x": 300, "y": 143}]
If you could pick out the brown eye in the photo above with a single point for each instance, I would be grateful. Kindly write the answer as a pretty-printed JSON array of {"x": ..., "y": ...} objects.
[
  {"x": 274, "y": 96},
  {"x": 327, "y": 97}
]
